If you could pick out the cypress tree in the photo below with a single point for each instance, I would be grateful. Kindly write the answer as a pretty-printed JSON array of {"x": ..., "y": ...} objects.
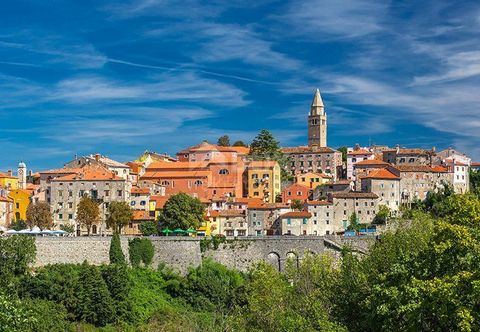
[{"x": 116, "y": 253}]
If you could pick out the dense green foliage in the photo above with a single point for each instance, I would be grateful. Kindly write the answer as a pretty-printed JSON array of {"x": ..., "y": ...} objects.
[
  {"x": 297, "y": 205},
  {"x": 265, "y": 147},
  {"x": 475, "y": 182},
  {"x": 18, "y": 225},
  {"x": 119, "y": 215},
  {"x": 223, "y": 140},
  {"x": 181, "y": 211},
  {"x": 424, "y": 275},
  {"x": 148, "y": 228},
  {"x": 211, "y": 243},
  {"x": 239, "y": 143},
  {"x": 116, "y": 254},
  {"x": 140, "y": 250}
]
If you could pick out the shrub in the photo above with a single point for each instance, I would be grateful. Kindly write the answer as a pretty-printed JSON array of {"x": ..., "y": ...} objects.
[
  {"x": 140, "y": 251},
  {"x": 16, "y": 253},
  {"x": 116, "y": 253}
]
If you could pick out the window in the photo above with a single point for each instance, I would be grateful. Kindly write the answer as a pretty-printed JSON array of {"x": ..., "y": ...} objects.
[
  {"x": 119, "y": 193},
  {"x": 289, "y": 193},
  {"x": 60, "y": 193},
  {"x": 328, "y": 214},
  {"x": 314, "y": 214},
  {"x": 402, "y": 160},
  {"x": 255, "y": 193},
  {"x": 17, "y": 205},
  {"x": 165, "y": 183},
  {"x": 60, "y": 216},
  {"x": 70, "y": 193},
  {"x": 94, "y": 229},
  {"x": 70, "y": 205},
  {"x": 289, "y": 221},
  {"x": 132, "y": 203},
  {"x": 411, "y": 160},
  {"x": 328, "y": 232},
  {"x": 314, "y": 222},
  {"x": 254, "y": 176},
  {"x": 354, "y": 160},
  {"x": 304, "y": 221},
  {"x": 327, "y": 222},
  {"x": 143, "y": 203},
  {"x": 223, "y": 171},
  {"x": 198, "y": 183},
  {"x": 70, "y": 216},
  {"x": 299, "y": 193},
  {"x": 107, "y": 193},
  {"x": 344, "y": 212}
]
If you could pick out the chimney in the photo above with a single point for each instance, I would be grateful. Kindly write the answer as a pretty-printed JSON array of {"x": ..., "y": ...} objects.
[
  {"x": 9, "y": 172},
  {"x": 97, "y": 157}
]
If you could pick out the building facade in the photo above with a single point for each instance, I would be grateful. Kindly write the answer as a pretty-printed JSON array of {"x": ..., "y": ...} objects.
[{"x": 263, "y": 180}]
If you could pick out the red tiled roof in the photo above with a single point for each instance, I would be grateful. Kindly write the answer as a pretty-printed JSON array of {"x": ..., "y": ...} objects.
[
  {"x": 173, "y": 174},
  {"x": 6, "y": 199},
  {"x": 383, "y": 173},
  {"x": 187, "y": 165},
  {"x": 296, "y": 214},
  {"x": 353, "y": 194},
  {"x": 90, "y": 174},
  {"x": 141, "y": 215},
  {"x": 159, "y": 201},
  {"x": 136, "y": 190},
  {"x": 6, "y": 176},
  {"x": 475, "y": 164},
  {"x": 226, "y": 213},
  {"x": 319, "y": 203}
]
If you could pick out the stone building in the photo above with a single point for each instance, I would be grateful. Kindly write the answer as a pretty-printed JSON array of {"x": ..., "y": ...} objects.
[
  {"x": 263, "y": 218},
  {"x": 364, "y": 205},
  {"x": 364, "y": 167},
  {"x": 322, "y": 221},
  {"x": 140, "y": 198},
  {"x": 321, "y": 192},
  {"x": 460, "y": 176},
  {"x": 6, "y": 210},
  {"x": 407, "y": 156},
  {"x": 304, "y": 159},
  {"x": 230, "y": 222},
  {"x": 119, "y": 169},
  {"x": 65, "y": 191},
  {"x": 355, "y": 155},
  {"x": 417, "y": 181},
  {"x": 386, "y": 185},
  {"x": 296, "y": 223}
]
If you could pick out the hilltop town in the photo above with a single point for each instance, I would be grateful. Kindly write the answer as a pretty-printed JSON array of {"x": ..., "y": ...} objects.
[{"x": 246, "y": 191}]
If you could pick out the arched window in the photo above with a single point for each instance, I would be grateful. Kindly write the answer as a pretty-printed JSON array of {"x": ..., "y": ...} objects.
[
  {"x": 165, "y": 183},
  {"x": 94, "y": 229},
  {"x": 198, "y": 183},
  {"x": 223, "y": 171}
]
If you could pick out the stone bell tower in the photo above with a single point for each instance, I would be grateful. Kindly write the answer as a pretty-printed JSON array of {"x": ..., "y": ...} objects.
[{"x": 317, "y": 122}]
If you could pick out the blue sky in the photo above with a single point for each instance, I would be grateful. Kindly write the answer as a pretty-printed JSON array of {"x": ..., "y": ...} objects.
[{"x": 118, "y": 77}]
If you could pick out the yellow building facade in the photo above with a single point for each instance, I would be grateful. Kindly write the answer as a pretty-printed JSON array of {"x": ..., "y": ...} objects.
[
  {"x": 8, "y": 181},
  {"x": 312, "y": 180},
  {"x": 21, "y": 200},
  {"x": 263, "y": 180}
]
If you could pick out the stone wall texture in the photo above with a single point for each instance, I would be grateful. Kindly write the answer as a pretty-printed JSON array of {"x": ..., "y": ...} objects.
[{"x": 182, "y": 253}]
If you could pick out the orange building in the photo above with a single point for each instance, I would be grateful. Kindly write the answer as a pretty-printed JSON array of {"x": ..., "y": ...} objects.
[
  {"x": 296, "y": 191},
  {"x": 204, "y": 171}
]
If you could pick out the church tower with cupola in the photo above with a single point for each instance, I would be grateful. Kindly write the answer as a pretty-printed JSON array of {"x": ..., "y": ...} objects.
[{"x": 317, "y": 122}]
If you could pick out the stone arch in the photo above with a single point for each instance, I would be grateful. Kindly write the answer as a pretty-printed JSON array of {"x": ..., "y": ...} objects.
[{"x": 273, "y": 258}]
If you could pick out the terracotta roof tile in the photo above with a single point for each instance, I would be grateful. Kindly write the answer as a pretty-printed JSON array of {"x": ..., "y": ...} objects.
[
  {"x": 319, "y": 203},
  {"x": 360, "y": 152},
  {"x": 382, "y": 174},
  {"x": 353, "y": 194},
  {"x": 262, "y": 164},
  {"x": 141, "y": 215},
  {"x": 371, "y": 162},
  {"x": 296, "y": 214},
  {"x": 137, "y": 190},
  {"x": 175, "y": 174}
]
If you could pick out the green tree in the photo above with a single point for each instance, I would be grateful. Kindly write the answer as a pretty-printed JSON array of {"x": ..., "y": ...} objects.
[
  {"x": 95, "y": 305},
  {"x": 88, "y": 213},
  {"x": 17, "y": 253},
  {"x": 344, "y": 151},
  {"x": 14, "y": 316},
  {"x": 18, "y": 225},
  {"x": 141, "y": 250},
  {"x": 119, "y": 215},
  {"x": 67, "y": 228},
  {"x": 297, "y": 205},
  {"x": 181, "y": 211},
  {"x": 265, "y": 147},
  {"x": 116, "y": 253},
  {"x": 354, "y": 225},
  {"x": 224, "y": 140},
  {"x": 382, "y": 215},
  {"x": 38, "y": 214},
  {"x": 239, "y": 143},
  {"x": 475, "y": 182},
  {"x": 148, "y": 228},
  {"x": 119, "y": 286}
]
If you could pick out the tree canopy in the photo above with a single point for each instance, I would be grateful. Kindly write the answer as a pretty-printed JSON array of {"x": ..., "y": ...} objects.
[
  {"x": 239, "y": 143},
  {"x": 223, "y": 140},
  {"x": 181, "y": 211},
  {"x": 119, "y": 215},
  {"x": 88, "y": 213},
  {"x": 38, "y": 214}
]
